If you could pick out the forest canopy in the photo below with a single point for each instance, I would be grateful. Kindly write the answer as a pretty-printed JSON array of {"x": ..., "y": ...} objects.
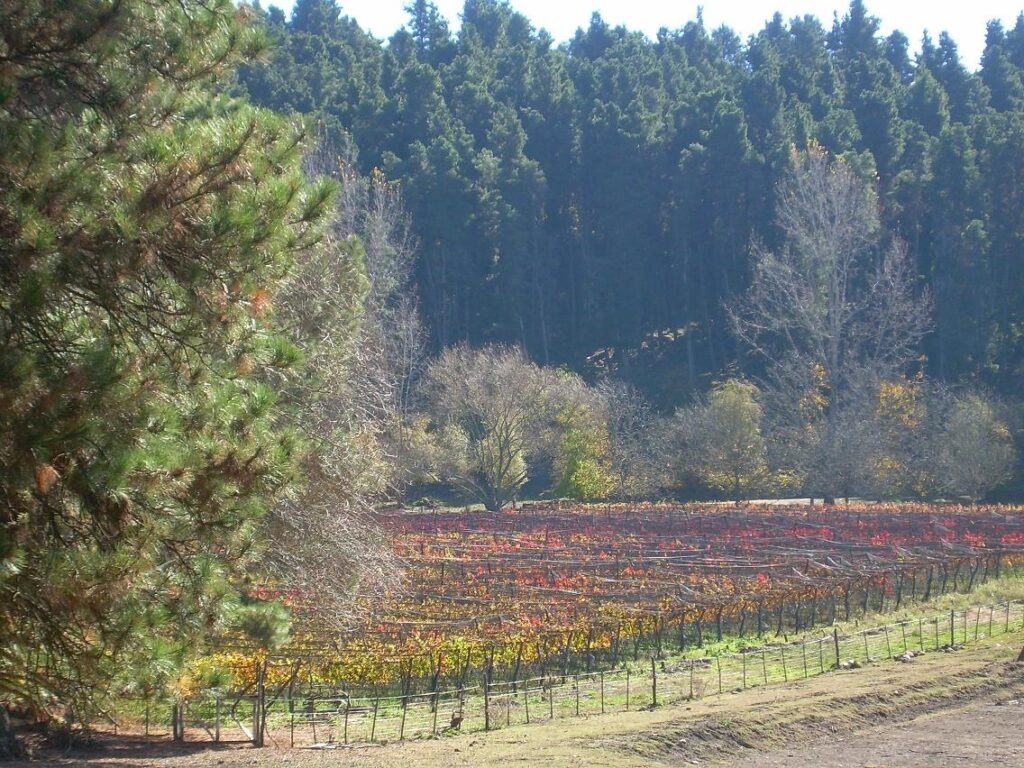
[{"x": 598, "y": 203}]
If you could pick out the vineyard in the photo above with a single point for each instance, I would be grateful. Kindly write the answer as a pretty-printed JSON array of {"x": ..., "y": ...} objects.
[
  {"x": 327, "y": 719},
  {"x": 554, "y": 590}
]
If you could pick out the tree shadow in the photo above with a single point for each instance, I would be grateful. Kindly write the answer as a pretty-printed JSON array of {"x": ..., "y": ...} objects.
[{"x": 107, "y": 750}]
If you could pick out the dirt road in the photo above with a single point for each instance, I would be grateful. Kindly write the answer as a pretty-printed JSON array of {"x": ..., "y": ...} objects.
[{"x": 986, "y": 736}]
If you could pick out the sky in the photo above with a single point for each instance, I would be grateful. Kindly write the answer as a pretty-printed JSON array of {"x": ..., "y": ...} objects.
[{"x": 965, "y": 20}]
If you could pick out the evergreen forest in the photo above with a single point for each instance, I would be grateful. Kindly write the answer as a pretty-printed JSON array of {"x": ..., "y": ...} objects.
[{"x": 598, "y": 203}]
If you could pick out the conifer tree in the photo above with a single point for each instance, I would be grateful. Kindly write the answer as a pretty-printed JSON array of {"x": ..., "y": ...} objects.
[{"x": 144, "y": 222}]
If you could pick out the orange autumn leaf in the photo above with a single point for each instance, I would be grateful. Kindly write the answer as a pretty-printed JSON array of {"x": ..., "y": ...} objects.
[
  {"x": 260, "y": 302},
  {"x": 46, "y": 478}
]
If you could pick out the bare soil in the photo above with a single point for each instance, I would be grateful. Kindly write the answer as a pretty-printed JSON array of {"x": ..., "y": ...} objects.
[
  {"x": 963, "y": 708},
  {"x": 986, "y": 736}
]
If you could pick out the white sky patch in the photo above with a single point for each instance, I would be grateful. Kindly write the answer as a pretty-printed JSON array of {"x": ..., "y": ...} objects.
[{"x": 965, "y": 21}]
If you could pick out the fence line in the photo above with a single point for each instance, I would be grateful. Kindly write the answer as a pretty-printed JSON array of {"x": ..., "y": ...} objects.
[{"x": 310, "y": 720}]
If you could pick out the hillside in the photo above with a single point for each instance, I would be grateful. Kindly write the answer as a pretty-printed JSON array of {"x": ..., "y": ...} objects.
[{"x": 597, "y": 202}]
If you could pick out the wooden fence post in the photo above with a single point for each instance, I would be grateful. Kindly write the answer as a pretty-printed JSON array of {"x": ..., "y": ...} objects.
[
  {"x": 310, "y": 707},
  {"x": 654, "y": 685},
  {"x": 259, "y": 705},
  {"x": 487, "y": 703},
  {"x": 178, "y": 721},
  {"x": 835, "y": 639}
]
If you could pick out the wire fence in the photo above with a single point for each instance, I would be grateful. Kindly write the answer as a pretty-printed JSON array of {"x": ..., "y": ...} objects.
[{"x": 310, "y": 720}]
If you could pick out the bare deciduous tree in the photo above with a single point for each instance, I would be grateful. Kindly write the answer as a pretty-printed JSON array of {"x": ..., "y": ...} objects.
[
  {"x": 834, "y": 312},
  {"x": 636, "y": 441},
  {"x": 393, "y": 338},
  {"x": 372, "y": 209},
  {"x": 490, "y": 407},
  {"x": 323, "y": 540},
  {"x": 351, "y": 307}
]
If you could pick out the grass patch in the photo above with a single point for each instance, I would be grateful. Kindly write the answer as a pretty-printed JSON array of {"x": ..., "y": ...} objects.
[{"x": 1007, "y": 587}]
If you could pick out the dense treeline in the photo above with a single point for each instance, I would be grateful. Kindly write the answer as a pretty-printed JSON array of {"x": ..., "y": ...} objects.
[{"x": 596, "y": 202}]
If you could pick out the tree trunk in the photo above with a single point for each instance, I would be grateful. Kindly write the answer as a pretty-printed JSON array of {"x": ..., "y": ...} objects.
[
  {"x": 259, "y": 724},
  {"x": 10, "y": 747}
]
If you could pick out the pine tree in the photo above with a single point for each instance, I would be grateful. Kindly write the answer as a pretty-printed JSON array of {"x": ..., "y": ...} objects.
[
  {"x": 998, "y": 71},
  {"x": 430, "y": 32},
  {"x": 316, "y": 17},
  {"x": 144, "y": 222}
]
